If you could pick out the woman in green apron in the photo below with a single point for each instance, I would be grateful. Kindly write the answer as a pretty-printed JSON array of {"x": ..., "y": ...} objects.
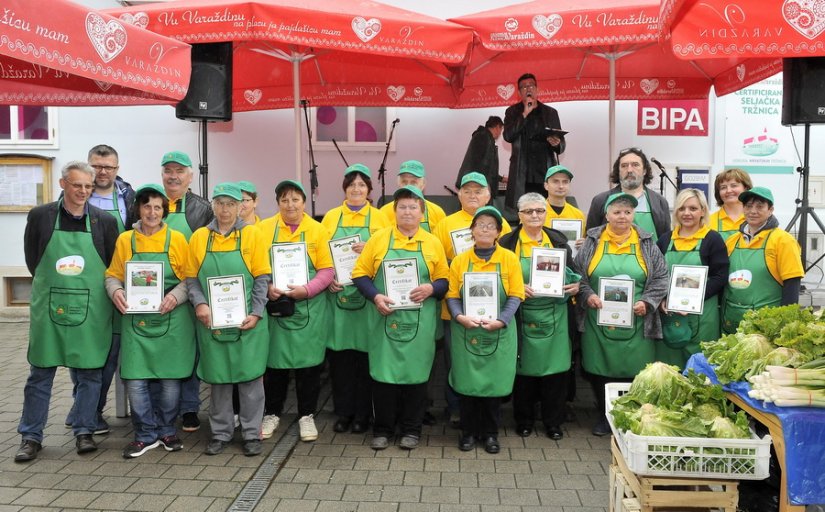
[
  {"x": 727, "y": 187},
  {"x": 228, "y": 248},
  {"x": 765, "y": 262},
  {"x": 692, "y": 242},
  {"x": 154, "y": 346},
  {"x": 297, "y": 341},
  {"x": 404, "y": 263},
  {"x": 346, "y": 324},
  {"x": 544, "y": 344},
  {"x": 483, "y": 338},
  {"x": 619, "y": 249}
]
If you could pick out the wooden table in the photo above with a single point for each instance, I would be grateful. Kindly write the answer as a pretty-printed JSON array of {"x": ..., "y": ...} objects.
[{"x": 775, "y": 429}]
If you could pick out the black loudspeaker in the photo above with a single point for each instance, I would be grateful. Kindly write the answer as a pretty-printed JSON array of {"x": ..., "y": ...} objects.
[
  {"x": 803, "y": 90},
  {"x": 210, "y": 88}
]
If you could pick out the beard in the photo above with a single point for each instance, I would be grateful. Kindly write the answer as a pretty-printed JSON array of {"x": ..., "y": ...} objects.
[{"x": 631, "y": 182}]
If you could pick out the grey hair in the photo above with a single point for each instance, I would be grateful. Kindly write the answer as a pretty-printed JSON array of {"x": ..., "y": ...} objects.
[
  {"x": 529, "y": 197},
  {"x": 77, "y": 165}
]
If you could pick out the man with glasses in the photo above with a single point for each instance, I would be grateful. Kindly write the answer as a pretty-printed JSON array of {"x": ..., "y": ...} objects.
[
  {"x": 632, "y": 173},
  {"x": 68, "y": 245},
  {"x": 534, "y": 130}
]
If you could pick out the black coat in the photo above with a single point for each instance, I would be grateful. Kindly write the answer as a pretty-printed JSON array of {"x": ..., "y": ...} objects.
[
  {"x": 481, "y": 156},
  {"x": 198, "y": 211},
  {"x": 713, "y": 254}
]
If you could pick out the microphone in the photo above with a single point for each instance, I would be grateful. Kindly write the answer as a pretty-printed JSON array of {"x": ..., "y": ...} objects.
[
  {"x": 529, "y": 100},
  {"x": 658, "y": 164},
  {"x": 396, "y": 121},
  {"x": 304, "y": 103}
]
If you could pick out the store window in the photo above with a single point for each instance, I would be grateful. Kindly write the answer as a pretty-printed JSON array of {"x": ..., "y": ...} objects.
[
  {"x": 362, "y": 128},
  {"x": 27, "y": 127}
]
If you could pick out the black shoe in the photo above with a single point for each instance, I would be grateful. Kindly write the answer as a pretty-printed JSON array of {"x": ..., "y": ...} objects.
[
  {"x": 252, "y": 447},
  {"x": 27, "y": 451},
  {"x": 85, "y": 443},
  {"x": 359, "y": 426},
  {"x": 171, "y": 443},
  {"x": 601, "y": 428},
  {"x": 342, "y": 425},
  {"x": 190, "y": 422},
  {"x": 215, "y": 447},
  {"x": 554, "y": 432},
  {"x": 491, "y": 445},
  {"x": 466, "y": 443},
  {"x": 524, "y": 430},
  {"x": 429, "y": 419}
]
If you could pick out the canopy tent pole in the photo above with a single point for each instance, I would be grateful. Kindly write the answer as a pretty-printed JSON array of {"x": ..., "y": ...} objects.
[{"x": 296, "y": 103}]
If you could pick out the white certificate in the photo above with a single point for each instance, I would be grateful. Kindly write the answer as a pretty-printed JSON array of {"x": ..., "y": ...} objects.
[
  {"x": 547, "y": 271},
  {"x": 617, "y": 302},
  {"x": 144, "y": 286},
  {"x": 400, "y": 278},
  {"x": 480, "y": 295},
  {"x": 289, "y": 265},
  {"x": 344, "y": 258},
  {"x": 462, "y": 240},
  {"x": 687, "y": 289},
  {"x": 572, "y": 229},
  {"x": 227, "y": 300}
]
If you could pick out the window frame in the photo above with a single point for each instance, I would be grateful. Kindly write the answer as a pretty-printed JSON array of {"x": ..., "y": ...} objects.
[
  {"x": 350, "y": 143},
  {"x": 15, "y": 143}
]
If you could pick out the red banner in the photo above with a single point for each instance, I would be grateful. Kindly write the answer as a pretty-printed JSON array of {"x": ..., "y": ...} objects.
[{"x": 687, "y": 118}]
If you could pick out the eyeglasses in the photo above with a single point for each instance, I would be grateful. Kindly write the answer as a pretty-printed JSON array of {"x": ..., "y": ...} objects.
[
  {"x": 107, "y": 168},
  {"x": 629, "y": 150},
  {"x": 247, "y": 200},
  {"x": 533, "y": 211},
  {"x": 487, "y": 227},
  {"x": 81, "y": 186},
  {"x": 527, "y": 86},
  {"x": 225, "y": 204}
]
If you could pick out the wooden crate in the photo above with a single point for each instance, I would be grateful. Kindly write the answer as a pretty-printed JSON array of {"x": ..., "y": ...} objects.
[{"x": 631, "y": 493}]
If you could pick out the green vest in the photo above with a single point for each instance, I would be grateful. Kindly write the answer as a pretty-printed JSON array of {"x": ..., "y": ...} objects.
[
  {"x": 177, "y": 219},
  {"x": 750, "y": 285},
  {"x": 645, "y": 219}
]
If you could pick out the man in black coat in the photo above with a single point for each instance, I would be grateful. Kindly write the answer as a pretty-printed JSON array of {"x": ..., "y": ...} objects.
[
  {"x": 529, "y": 126},
  {"x": 482, "y": 155}
]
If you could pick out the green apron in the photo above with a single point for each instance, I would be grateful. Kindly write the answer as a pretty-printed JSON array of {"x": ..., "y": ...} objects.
[
  {"x": 750, "y": 285},
  {"x": 425, "y": 222},
  {"x": 348, "y": 307},
  {"x": 484, "y": 362},
  {"x": 616, "y": 351},
  {"x": 645, "y": 219},
  {"x": 177, "y": 219},
  {"x": 544, "y": 344},
  {"x": 68, "y": 284},
  {"x": 155, "y": 346},
  {"x": 229, "y": 356},
  {"x": 403, "y": 343},
  {"x": 299, "y": 341},
  {"x": 682, "y": 334},
  {"x": 117, "y": 318},
  {"x": 725, "y": 234}
]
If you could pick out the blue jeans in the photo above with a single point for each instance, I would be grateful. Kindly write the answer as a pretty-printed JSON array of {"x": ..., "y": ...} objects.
[
  {"x": 190, "y": 391},
  {"x": 38, "y": 393},
  {"x": 109, "y": 369},
  {"x": 153, "y": 414}
]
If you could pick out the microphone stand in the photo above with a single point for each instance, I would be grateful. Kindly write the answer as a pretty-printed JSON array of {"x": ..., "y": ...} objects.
[
  {"x": 335, "y": 143},
  {"x": 662, "y": 177},
  {"x": 383, "y": 169},
  {"x": 313, "y": 168}
]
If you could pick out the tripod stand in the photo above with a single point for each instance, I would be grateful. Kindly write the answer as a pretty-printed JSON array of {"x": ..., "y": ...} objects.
[{"x": 803, "y": 208}]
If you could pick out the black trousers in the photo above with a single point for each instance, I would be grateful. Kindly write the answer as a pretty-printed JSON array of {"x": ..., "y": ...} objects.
[
  {"x": 598, "y": 384},
  {"x": 402, "y": 404},
  {"x": 349, "y": 371},
  {"x": 479, "y": 415},
  {"x": 307, "y": 389},
  {"x": 549, "y": 390}
]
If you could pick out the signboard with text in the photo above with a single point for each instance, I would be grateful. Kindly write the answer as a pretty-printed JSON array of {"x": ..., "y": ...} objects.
[{"x": 687, "y": 118}]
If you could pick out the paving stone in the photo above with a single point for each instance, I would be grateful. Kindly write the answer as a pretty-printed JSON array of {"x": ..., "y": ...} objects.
[
  {"x": 527, "y": 454},
  {"x": 337, "y": 506},
  {"x": 497, "y": 480},
  {"x": 150, "y": 485},
  {"x": 189, "y": 503},
  {"x": 584, "y": 468},
  {"x": 75, "y": 499},
  {"x": 406, "y": 464},
  {"x": 349, "y": 477},
  {"x": 37, "y": 497},
  {"x": 378, "y": 507},
  {"x": 422, "y": 478},
  {"x": 479, "y": 496},
  {"x": 401, "y": 493},
  {"x": 559, "y": 497},
  {"x": 290, "y": 505},
  {"x": 563, "y": 453},
  {"x": 313, "y": 476},
  {"x": 210, "y": 473},
  {"x": 112, "y": 501},
  {"x": 9, "y": 494},
  {"x": 427, "y": 452},
  {"x": 42, "y": 481},
  {"x": 385, "y": 478},
  {"x": 461, "y": 479},
  {"x": 512, "y": 466},
  {"x": 534, "y": 481},
  {"x": 418, "y": 507},
  {"x": 548, "y": 467},
  {"x": 371, "y": 464},
  {"x": 286, "y": 490},
  {"x": 303, "y": 462},
  {"x": 519, "y": 497},
  {"x": 600, "y": 482},
  {"x": 337, "y": 463},
  {"x": 440, "y": 494},
  {"x": 217, "y": 489},
  {"x": 460, "y": 508},
  {"x": 441, "y": 465},
  {"x": 477, "y": 466},
  {"x": 500, "y": 508},
  {"x": 594, "y": 499},
  {"x": 81, "y": 467},
  {"x": 362, "y": 493},
  {"x": 324, "y": 491},
  {"x": 220, "y": 505},
  {"x": 186, "y": 488}
]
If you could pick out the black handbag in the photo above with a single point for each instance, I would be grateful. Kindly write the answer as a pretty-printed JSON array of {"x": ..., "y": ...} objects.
[{"x": 284, "y": 306}]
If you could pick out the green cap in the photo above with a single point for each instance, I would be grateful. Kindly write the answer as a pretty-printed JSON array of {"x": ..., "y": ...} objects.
[
  {"x": 760, "y": 192},
  {"x": 248, "y": 187},
  {"x": 290, "y": 183},
  {"x": 413, "y": 167},
  {"x": 557, "y": 169},
  {"x": 475, "y": 177},
  {"x": 410, "y": 188},
  {"x": 621, "y": 195},
  {"x": 488, "y": 210},
  {"x": 363, "y": 169},
  {"x": 154, "y": 187},
  {"x": 178, "y": 157},
  {"x": 227, "y": 189}
]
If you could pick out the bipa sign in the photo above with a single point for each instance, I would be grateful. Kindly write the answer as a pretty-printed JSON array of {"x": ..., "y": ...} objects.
[{"x": 672, "y": 117}]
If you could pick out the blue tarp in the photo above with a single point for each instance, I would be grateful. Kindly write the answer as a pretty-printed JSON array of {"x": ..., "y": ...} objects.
[{"x": 804, "y": 432}]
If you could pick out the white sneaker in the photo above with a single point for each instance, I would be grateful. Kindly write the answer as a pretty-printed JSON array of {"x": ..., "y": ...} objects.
[
  {"x": 306, "y": 426},
  {"x": 269, "y": 425},
  {"x": 237, "y": 421}
]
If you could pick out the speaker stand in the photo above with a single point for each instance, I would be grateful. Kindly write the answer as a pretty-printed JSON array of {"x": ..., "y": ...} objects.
[
  {"x": 203, "y": 167},
  {"x": 803, "y": 209}
]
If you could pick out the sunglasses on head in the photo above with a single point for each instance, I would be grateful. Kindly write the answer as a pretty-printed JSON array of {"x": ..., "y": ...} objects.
[{"x": 629, "y": 150}]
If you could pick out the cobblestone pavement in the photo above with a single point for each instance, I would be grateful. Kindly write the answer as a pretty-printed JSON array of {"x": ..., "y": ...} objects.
[{"x": 338, "y": 472}]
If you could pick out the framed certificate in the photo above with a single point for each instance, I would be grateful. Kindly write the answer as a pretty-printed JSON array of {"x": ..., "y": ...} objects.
[
  {"x": 686, "y": 293},
  {"x": 462, "y": 239},
  {"x": 547, "y": 271},
  {"x": 480, "y": 295},
  {"x": 144, "y": 286},
  {"x": 400, "y": 278},
  {"x": 227, "y": 300},
  {"x": 289, "y": 265},
  {"x": 344, "y": 258},
  {"x": 572, "y": 229},
  {"x": 617, "y": 302}
]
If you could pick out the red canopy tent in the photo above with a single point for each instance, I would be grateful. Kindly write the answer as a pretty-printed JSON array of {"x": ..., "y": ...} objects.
[
  {"x": 589, "y": 49},
  {"x": 66, "y": 54}
]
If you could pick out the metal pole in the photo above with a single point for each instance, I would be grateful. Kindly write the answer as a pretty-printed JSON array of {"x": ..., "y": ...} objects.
[{"x": 296, "y": 103}]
